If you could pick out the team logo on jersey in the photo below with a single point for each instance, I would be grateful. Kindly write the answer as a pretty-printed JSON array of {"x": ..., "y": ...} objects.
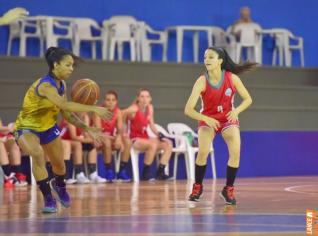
[{"x": 228, "y": 92}]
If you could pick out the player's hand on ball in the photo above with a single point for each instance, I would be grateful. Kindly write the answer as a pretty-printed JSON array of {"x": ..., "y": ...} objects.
[
  {"x": 103, "y": 113},
  {"x": 232, "y": 116},
  {"x": 213, "y": 123},
  {"x": 14, "y": 14}
]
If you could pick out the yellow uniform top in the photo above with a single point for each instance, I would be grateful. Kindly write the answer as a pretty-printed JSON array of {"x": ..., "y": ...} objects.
[{"x": 38, "y": 113}]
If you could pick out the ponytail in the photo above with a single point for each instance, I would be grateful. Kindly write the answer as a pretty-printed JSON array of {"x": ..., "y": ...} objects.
[{"x": 229, "y": 65}]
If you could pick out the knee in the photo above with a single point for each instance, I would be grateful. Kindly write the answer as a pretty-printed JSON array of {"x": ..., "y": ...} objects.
[
  {"x": 117, "y": 146},
  {"x": 37, "y": 153},
  {"x": 107, "y": 144},
  {"x": 127, "y": 143},
  {"x": 77, "y": 146},
  {"x": 153, "y": 146},
  {"x": 203, "y": 152},
  {"x": 168, "y": 145}
]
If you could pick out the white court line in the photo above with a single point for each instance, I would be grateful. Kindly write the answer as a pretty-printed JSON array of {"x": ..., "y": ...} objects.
[{"x": 294, "y": 190}]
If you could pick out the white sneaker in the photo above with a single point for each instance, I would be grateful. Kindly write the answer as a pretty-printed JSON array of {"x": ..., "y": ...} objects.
[
  {"x": 95, "y": 178},
  {"x": 82, "y": 179},
  {"x": 70, "y": 181}
]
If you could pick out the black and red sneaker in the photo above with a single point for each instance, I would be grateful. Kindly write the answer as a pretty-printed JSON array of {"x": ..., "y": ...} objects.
[
  {"x": 197, "y": 190},
  {"x": 228, "y": 195}
]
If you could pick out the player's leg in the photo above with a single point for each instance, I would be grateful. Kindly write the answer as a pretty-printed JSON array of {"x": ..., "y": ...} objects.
[
  {"x": 165, "y": 146},
  {"x": 4, "y": 162},
  {"x": 148, "y": 146},
  {"x": 67, "y": 150},
  {"x": 92, "y": 166},
  {"x": 107, "y": 155},
  {"x": 124, "y": 158},
  {"x": 30, "y": 144},
  {"x": 232, "y": 138},
  {"x": 15, "y": 162},
  {"x": 77, "y": 151},
  {"x": 54, "y": 151},
  {"x": 205, "y": 139}
]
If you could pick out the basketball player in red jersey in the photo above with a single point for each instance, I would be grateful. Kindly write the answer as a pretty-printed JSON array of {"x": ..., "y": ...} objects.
[
  {"x": 218, "y": 115},
  {"x": 113, "y": 139},
  {"x": 75, "y": 135},
  {"x": 71, "y": 139},
  {"x": 140, "y": 116}
]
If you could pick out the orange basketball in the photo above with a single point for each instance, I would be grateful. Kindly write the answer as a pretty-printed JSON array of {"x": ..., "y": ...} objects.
[{"x": 85, "y": 91}]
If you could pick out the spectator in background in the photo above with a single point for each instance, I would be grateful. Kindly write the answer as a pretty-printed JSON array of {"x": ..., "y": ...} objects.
[
  {"x": 13, "y": 15},
  {"x": 241, "y": 31},
  {"x": 140, "y": 116},
  {"x": 245, "y": 18},
  {"x": 113, "y": 140},
  {"x": 11, "y": 164},
  {"x": 72, "y": 145},
  {"x": 82, "y": 143}
]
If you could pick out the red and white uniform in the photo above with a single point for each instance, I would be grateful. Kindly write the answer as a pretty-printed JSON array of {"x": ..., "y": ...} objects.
[
  {"x": 65, "y": 133},
  {"x": 139, "y": 124},
  {"x": 4, "y": 137},
  {"x": 217, "y": 101},
  {"x": 109, "y": 126}
]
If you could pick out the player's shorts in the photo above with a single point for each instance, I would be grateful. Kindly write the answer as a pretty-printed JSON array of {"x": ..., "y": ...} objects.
[
  {"x": 223, "y": 125},
  {"x": 45, "y": 137},
  {"x": 87, "y": 147},
  {"x": 6, "y": 137},
  {"x": 133, "y": 140}
]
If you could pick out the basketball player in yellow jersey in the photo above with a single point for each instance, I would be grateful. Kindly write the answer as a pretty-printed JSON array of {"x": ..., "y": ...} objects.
[{"x": 36, "y": 130}]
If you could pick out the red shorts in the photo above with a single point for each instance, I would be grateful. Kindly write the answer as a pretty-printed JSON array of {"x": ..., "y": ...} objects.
[
  {"x": 223, "y": 125},
  {"x": 6, "y": 137}
]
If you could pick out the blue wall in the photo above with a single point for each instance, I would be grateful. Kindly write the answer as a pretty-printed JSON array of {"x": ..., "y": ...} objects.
[
  {"x": 298, "y": 16},
  {"x": 264, "y": 153}
]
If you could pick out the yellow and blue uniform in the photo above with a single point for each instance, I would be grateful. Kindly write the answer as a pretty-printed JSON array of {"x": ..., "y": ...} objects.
[{"x": 38, "y": 114}]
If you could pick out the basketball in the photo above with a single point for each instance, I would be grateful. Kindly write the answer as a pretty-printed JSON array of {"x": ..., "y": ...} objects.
[{"x": 85, "y": 91}]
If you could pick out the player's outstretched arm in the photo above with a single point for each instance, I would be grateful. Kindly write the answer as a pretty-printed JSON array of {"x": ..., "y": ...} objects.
[{"x": 50, "y": 93}]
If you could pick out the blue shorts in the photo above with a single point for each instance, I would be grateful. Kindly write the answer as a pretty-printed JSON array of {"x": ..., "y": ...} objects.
[{"x": 44, "y": 136}]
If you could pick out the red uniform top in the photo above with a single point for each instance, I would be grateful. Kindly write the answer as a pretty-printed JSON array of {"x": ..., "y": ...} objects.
[
  {"x": 65, "y": 133},
  {"x": 109, "y": 126},
  {"x": 139, "y": 124},
  {"x": 218, "y": 100}
]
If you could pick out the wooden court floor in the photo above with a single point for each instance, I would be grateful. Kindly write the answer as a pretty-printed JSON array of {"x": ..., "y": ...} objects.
[{"x": 266, "y": 206}]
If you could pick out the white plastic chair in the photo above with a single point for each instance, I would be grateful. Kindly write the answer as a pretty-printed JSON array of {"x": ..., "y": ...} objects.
[
  {"x": 283, "y": 47},
  {"x": 83, "y": 32},
  {"x": 117, "y": 31},
  {"x": 181, "y": 129},
  {"x": 62, "y": 29},
  {"x": 145, "y": 43},
  {"x": 180, "y": 148},
  {"x": 223, "y": 39},
  {"x": 23, "y": 30},
  {"x": 116, "y": 155},
  {"x": 134, "y": 156},
  {"x": 251, "y": 39}
]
